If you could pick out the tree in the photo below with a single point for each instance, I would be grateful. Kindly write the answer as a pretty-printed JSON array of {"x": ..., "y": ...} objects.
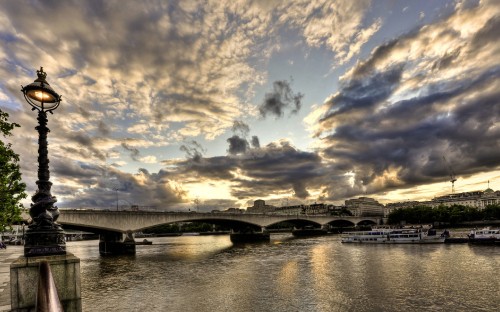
[{"x": 11, "y": 186}]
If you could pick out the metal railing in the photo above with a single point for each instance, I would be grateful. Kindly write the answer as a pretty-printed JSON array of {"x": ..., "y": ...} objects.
[{"x": 47, "y": 299}]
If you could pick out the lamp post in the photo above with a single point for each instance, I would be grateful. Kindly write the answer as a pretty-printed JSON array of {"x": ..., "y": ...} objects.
[
  {"x": 116, "y": 199},
  {"x": 44, "y": 236}
]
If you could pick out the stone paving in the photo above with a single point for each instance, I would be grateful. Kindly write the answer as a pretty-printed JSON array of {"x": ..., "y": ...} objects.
[{"x": 7, "y": 256}]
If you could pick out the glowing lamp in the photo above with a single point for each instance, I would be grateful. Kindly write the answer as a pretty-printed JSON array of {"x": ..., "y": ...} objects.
[{"x": 40, "y": 94}]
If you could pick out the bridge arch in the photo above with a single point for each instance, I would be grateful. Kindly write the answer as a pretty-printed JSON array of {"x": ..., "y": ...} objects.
[
  {"x": 232, "y": 224},
  {"x": 297, "y": 222}
]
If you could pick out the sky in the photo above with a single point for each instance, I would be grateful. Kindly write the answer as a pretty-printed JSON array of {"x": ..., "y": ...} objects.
[{"x": 214, "y": 104}]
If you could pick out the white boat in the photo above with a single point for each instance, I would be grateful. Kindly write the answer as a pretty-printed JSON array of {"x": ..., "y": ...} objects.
[
  {"x": 394, "y": 236},
  {"x": 486, "y": 235}
]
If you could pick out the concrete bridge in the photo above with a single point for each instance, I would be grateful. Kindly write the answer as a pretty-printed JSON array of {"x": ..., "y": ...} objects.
[{"x": 116, "y": 228}]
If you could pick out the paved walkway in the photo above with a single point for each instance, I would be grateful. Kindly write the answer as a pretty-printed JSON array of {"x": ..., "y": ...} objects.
[{"x": 7, "y": 256}]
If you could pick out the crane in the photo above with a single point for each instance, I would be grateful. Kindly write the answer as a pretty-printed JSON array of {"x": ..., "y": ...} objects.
[{"x": 452, "y": 175}]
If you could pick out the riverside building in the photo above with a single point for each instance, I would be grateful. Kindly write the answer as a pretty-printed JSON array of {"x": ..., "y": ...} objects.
[
  {"x": 476, "y": 199},
  {"x": 365, "y": 207},
  {"x": 259, "y": 206}
]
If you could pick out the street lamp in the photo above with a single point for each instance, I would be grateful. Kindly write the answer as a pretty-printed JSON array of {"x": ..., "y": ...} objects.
[
  {"x": 44, "y": 236},
  {"x": 116, "y": 199}
]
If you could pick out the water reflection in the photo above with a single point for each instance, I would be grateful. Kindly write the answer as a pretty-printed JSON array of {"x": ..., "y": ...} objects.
[{"x": 208, "y": 273}]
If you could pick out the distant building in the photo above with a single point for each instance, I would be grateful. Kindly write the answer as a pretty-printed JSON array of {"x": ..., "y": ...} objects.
[
  {"x": 316, "y": 209},
  {"x": 335, "y": 210},
  {"x": 289, "y": 210},
  {"x": 233, "y": 210},
  {"x": 365, "y": 207},
  {"x": 490, "y": 197},
  {"x": 259, "y": 206},
  {"x": 476, "y": 199}
]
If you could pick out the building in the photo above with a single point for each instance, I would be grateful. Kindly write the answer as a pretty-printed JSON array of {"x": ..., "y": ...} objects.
[
  {"x": 316, "y": 209},
  {"x": 490, "y": 197},
  {"x": 289, "y": 210},
  {"x": 259, "y": 206},
  {"x": 233, "y": 210},
  {"x": 476, "y": 199},
  {"x": 365, "y": 207}
]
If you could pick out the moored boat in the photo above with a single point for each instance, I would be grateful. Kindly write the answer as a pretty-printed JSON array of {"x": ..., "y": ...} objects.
[
  {"x": 144, "y": 242},
  {"x": 394, "y": 236},
  {"x": 485, "y": 236},
  {"x": 309, "y": 231}
]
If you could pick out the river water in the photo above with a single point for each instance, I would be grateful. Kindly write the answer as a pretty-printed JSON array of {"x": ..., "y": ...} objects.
[{"x": 209, "y": 273}]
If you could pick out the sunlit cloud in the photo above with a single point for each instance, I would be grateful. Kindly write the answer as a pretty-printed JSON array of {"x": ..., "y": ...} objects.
[{"x": 206, "y": 84}]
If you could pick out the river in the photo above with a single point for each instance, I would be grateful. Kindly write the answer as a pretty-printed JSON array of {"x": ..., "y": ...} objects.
[{"x": 208, "y": 273}]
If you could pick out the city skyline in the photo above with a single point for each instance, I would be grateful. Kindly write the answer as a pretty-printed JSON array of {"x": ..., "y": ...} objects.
[{"x": 218, "y": 104}]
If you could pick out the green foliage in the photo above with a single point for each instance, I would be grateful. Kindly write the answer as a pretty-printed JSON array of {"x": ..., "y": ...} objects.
[
  {"x": 11, "y": 186},
  {"x": 492, "y": 212},
  {"x": 453, "y": 215}
]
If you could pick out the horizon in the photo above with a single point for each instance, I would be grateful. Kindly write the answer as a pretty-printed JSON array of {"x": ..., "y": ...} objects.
[{"x": 217, "y": 104}]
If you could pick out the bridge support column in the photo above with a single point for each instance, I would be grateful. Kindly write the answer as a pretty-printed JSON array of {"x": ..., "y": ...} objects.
[
  {"x": 249, "y": 235},
  {"x": 114, "y": 243}
]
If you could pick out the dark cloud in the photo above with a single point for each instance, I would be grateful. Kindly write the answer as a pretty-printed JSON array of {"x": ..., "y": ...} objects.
[
  {"x": 277, "y": 167},
  {"x": 241, "y": 128},
  {"x": 85, "y": 142},
  {"x": 282, "y": 98},
  {"x": 488, "y": 35},
  {"x": 193, "y": 150},
  {"x": 358, "y": 97},
  {"x": 103, "y": 128},
  {"x": 447, "y": 59},
  {"x": 134, "y": 152},
  {"x": 237, "y": 145},
  {"x": 378, "y": 55},
  {"x": 255, "y": 142},
  {"x": 213, "y": 168},
  {"x": 274, "y": 168},
  {"x": 100, "y": 190},
  {"x": 388, "y": 146}
]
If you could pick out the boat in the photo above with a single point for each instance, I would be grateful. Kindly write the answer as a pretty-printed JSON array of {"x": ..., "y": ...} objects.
[
  {"x": 249, "y": 235},
  {"x": 486, "y": 235},
  {"x": 394, "y": 236},
  {"x": 309, "y": 231},
  {"x": 144, "y": 242}
]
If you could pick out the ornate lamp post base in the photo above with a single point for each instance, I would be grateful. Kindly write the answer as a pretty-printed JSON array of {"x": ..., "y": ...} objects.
[{"x": 44, "y": 242}]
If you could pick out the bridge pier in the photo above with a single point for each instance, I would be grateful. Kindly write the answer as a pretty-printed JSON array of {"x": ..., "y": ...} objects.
[{"x": 115, "y": 243}]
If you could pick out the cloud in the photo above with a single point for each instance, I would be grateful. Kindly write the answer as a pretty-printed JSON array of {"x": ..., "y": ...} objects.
[
  {"x": 255, "y": 142},
  {"x": 277, "y": 167},
  {"x": 187, "y": 72},
  {"x": 161, "y": 63},
  {"x": 237, "y": 145},
  {"x": 241, "y": 128},
  {"x": 148, "y": 159},
  {"x": 282, "y": 98},
  {"x": 134, "y": 152},
  {"x": 142, "y": 188},
  {"x": 395, "y": 115},
  {"x": 323, "y": 23},
  {"x": 193, "y": 150}
]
